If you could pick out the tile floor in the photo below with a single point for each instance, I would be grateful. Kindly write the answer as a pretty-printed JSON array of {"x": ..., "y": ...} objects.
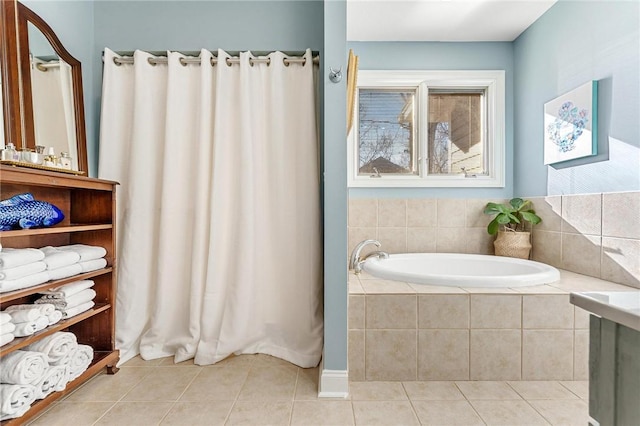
[{"x": 262, "y": 390}]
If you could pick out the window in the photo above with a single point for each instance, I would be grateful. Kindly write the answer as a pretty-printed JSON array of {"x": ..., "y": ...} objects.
[{"x": 428, "y": 129}]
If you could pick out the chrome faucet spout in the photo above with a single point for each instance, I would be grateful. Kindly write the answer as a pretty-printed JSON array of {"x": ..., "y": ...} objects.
[{"x": 355, "y": 261}]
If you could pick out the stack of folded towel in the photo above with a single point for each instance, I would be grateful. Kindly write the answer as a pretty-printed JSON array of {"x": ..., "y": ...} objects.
[
  {"x": 29, "y": 318},
  {"x": 6, "y": 329},
  {"x": 70, "y": 299},
  {"x": 66, "y": 261},
  {"x": 21, "y": 268},
  {"x": 61, "y": 349}
]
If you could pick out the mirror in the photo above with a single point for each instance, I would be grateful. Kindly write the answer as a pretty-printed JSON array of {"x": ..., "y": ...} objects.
[
  {"x": 9, "y": 83},
  {"x": 51, "y": 88}
]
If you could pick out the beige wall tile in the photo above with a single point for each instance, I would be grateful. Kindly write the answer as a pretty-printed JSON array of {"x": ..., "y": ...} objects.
[
  {"x": 581, "y": 355},
  {"x": 363, "y": 212},
  {"x": 322, "y": 412},
  {"x": 355, "y": 355},
  {"x": 581, "y": 254},
  {"x": 451, "y": 213},
  {"x": 356, "y": 312},
  {"x": 581, "y": 318},
  {"x": 451, "y": 240},
  {"x": 479, "y": 241},
  {"x": 495, "y": 355},
  {"x": 546, "y": 247},
  {"x": 377, "y": 391},
  {"x": 508, "y": 413},
  {"x": 393, "y": 240},
  {"x": 550, "y": 211},
  {"x": 547, "y": 311},
  {"x": 390, "y": 413},
  {"x": 582, "y": 214},
  {"x": 547, "y": 354},
  {"x": 356, "y": 235},
  {"x": 495, "y": 311},
  {"x": 391, "y": 312},
  {"x": 421, "y": 240},
  {"x": 392, "y": 212},
  {"x": 443, "y": 354},
  {"x": 390, "y": 354},
  {"x": 621, "y": 261},
  {"x": 443, "y": 311},
  {"x": 446, "y": 413},
  {"x": 621, "y": 215},
  {"x": 422, "y": 213},
  {"x": 475, "y": 217}
]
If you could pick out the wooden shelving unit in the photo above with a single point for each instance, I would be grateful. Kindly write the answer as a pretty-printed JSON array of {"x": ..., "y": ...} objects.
[{"x": 89, "y": 207}]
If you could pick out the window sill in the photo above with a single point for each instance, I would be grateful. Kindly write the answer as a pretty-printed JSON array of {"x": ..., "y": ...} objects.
[{"x": 431, "y": 182}]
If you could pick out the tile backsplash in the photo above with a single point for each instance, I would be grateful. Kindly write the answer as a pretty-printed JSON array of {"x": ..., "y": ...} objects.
[{"x": 591, "y": 234}]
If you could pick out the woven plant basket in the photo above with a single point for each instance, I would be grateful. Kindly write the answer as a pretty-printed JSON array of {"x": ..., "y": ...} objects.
[{"x": 513, "y": 244}]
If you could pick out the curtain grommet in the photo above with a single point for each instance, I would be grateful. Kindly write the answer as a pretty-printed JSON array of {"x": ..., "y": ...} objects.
[
  {"x": 151, "y": 62},
  {"x": 117, "y": 61},
  {"x": 182, "y": 62},
  {"x": 228, "y": 62}
]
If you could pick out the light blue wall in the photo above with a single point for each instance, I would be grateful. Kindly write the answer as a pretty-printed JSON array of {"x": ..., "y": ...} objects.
[
  {"x": 442, "y": 56},
  {"x": 571, "y": 44},
  {"x": 72, "y": 22}
]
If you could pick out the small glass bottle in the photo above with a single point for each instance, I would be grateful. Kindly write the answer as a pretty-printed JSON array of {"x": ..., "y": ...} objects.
[
  {"x": 65, "y": 160},
  {"x": 50, "y": 160},
  {"x": 10, "y": 153}
]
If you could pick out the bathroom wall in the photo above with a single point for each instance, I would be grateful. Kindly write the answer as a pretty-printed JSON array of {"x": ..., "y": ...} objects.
[
  {"x": 571, "y": 44},
  {"x": 590, "y": 234},
  {"x": 442, "y": 56}
]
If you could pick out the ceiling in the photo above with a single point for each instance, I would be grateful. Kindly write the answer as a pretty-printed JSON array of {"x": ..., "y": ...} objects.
[{"x": 441, "y": 20}]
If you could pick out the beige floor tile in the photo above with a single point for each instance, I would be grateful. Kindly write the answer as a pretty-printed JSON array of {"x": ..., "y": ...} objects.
[
  {"x": 393, "y": 413},
  {"x": 333, "y": 413},
  {"x": 542, "y": 390},
  {"x": 263, "y": 360},
  {"x": 137, "y": 361},
  {"x": 171, "y": 362},
  {"x": 243, "y": 361},
  {"x": 72, "y": 413},
  {"x": 135, "y": 413},
  {"x": 508, "y": 413},
  {"x": 110, "y": 387},
  {"x": 307, "y": 385},
  {"x": 222, "y": 383},
  {"x": 446, "y": 413},
  {"x": 563, "y": 412},
  {"x": 377, "y": 391},
  {"x": 437, "y": 391},
  {"x": 163, "y": 384},
  {"x": 198, "y": 413},
  {"x": 273, "y": 383},
  {"x": 578, "y": 387},
  {"x": 260, "y": 413},
  {"x": 487, "y": 391}
]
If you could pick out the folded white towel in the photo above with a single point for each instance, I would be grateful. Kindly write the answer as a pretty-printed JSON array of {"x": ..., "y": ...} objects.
[
  {"x": 24, "y": 282},
  {"x": 65, "y": 271},
  {"x": 93, "y": 265},
  {"x": 86, "y": 252},
  {"x": 15, "y": 400},
  {"x": 22, "y": 367},
  {"x": 41, "y": 323},
  {"x": 55, "y": 379},
  {"x": 80, "y": 361},
  {"x": 6, "y": 338},
  {"x": 45, "y": 308},
  {"x": 22, "y": 270},
  {"x": 56, "y": 259},
  {"x": 71, "y": 312},
  {"x": 7, "y": 327},
  {"x": 67, "y": 289},
  {"x": 57, "y": 348},
  {"x": 11, "y": 258},
  {"x": 24, "y": 329},
  {"x": 54, "y": 317},
  {"x": 23, "y": 315},
  {"x": 4, "y": 317},
  {"x": 71, "y": 301}
]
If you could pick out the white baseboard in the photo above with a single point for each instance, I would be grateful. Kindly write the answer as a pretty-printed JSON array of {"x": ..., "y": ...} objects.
[{"x": 333, "y": 383}]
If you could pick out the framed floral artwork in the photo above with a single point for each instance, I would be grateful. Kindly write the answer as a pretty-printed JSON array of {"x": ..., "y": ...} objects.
[{"x": 571, "y": 124}]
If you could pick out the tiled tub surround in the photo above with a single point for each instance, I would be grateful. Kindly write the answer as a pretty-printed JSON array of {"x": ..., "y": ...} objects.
[
  {"x": 410, "y": 332},
  {"x": 592, "y": 234}
]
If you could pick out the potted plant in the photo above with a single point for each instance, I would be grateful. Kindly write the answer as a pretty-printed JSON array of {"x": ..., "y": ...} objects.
[{"x": 513, "y": 239}]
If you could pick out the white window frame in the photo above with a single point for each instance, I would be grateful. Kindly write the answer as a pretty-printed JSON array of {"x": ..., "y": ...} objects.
[{"x": 493, "y": 81}]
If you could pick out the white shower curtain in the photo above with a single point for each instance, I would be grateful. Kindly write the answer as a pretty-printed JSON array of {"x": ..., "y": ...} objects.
[{"x": 219, "y": 247}]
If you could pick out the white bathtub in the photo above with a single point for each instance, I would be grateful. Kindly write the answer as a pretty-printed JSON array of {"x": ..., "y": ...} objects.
[{"x": 461, "y": 270}]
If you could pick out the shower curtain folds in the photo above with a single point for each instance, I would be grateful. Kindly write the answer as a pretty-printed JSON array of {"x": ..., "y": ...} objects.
[{"x": 219, "y": 248}]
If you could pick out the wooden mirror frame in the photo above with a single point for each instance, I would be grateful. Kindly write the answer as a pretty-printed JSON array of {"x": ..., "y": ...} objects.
[
  {"x": 23, "y": 18},
  {"x": 10, "y": 75}
]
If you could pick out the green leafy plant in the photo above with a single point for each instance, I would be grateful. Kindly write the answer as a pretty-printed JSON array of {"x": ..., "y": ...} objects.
[{"x": 512, "y": 216}]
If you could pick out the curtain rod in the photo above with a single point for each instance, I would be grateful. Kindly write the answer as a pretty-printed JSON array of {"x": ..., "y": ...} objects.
[{"x": 128, "y": 58}]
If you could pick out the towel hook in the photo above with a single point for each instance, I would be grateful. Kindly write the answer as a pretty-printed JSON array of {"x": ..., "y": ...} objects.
[{"x": 335, "y": 76}]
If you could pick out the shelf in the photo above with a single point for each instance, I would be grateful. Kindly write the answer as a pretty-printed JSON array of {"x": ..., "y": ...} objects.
[
  {"x": 54, "y": 230},
  {"x": 100, "y": 361},
  {"x": 17, "y": 294},
  {"x": 21, "y": 342},
  {"x": 22, "y": 175}
]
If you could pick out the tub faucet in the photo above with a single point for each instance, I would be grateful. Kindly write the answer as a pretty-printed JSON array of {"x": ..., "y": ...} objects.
[{"x": 356, "y": 260}]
